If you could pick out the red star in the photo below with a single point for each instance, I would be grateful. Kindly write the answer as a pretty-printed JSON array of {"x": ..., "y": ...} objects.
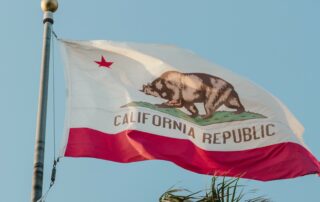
[{"x": 104, "y": 63}]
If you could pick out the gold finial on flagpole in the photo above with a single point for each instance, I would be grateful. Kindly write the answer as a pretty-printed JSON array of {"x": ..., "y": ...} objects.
[{"x": 49, "y": 5}]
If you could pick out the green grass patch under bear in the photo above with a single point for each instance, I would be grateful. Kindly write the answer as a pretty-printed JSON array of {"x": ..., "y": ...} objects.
[{"x": 218, "y": 117}]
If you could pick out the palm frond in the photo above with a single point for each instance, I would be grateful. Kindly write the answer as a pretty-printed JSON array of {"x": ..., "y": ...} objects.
[{"x": 222, "y": 189}]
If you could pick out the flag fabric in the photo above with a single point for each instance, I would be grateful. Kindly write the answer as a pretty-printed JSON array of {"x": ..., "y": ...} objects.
[{"x": 129, "y": 102}]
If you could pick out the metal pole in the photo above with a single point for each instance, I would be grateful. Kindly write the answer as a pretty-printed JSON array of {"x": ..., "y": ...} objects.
[{"x": 48, "y": 7}]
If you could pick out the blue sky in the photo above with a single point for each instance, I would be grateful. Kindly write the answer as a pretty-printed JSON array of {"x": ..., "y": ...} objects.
[{"x": 273, "y": 43}]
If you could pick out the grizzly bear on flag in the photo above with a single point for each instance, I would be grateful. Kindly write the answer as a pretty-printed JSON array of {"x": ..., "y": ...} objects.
[{"x": 186, "y": 89}]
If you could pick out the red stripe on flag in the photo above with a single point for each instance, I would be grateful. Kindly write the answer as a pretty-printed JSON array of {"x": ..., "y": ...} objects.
[{"x": 279, "y": 161}]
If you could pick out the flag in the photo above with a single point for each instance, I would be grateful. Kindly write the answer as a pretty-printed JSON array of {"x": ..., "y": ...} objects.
[{"x": 129, "y": 102}]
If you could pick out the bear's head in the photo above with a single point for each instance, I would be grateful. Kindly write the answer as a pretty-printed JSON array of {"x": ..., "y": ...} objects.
[{"x": 150, "y": 90}]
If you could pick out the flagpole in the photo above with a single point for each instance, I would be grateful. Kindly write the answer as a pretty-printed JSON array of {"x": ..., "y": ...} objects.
[{"x": 48, "y": 8}]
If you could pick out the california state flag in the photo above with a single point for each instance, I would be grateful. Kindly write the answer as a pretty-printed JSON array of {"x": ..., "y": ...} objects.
[{"x": 129, "y": 102}]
